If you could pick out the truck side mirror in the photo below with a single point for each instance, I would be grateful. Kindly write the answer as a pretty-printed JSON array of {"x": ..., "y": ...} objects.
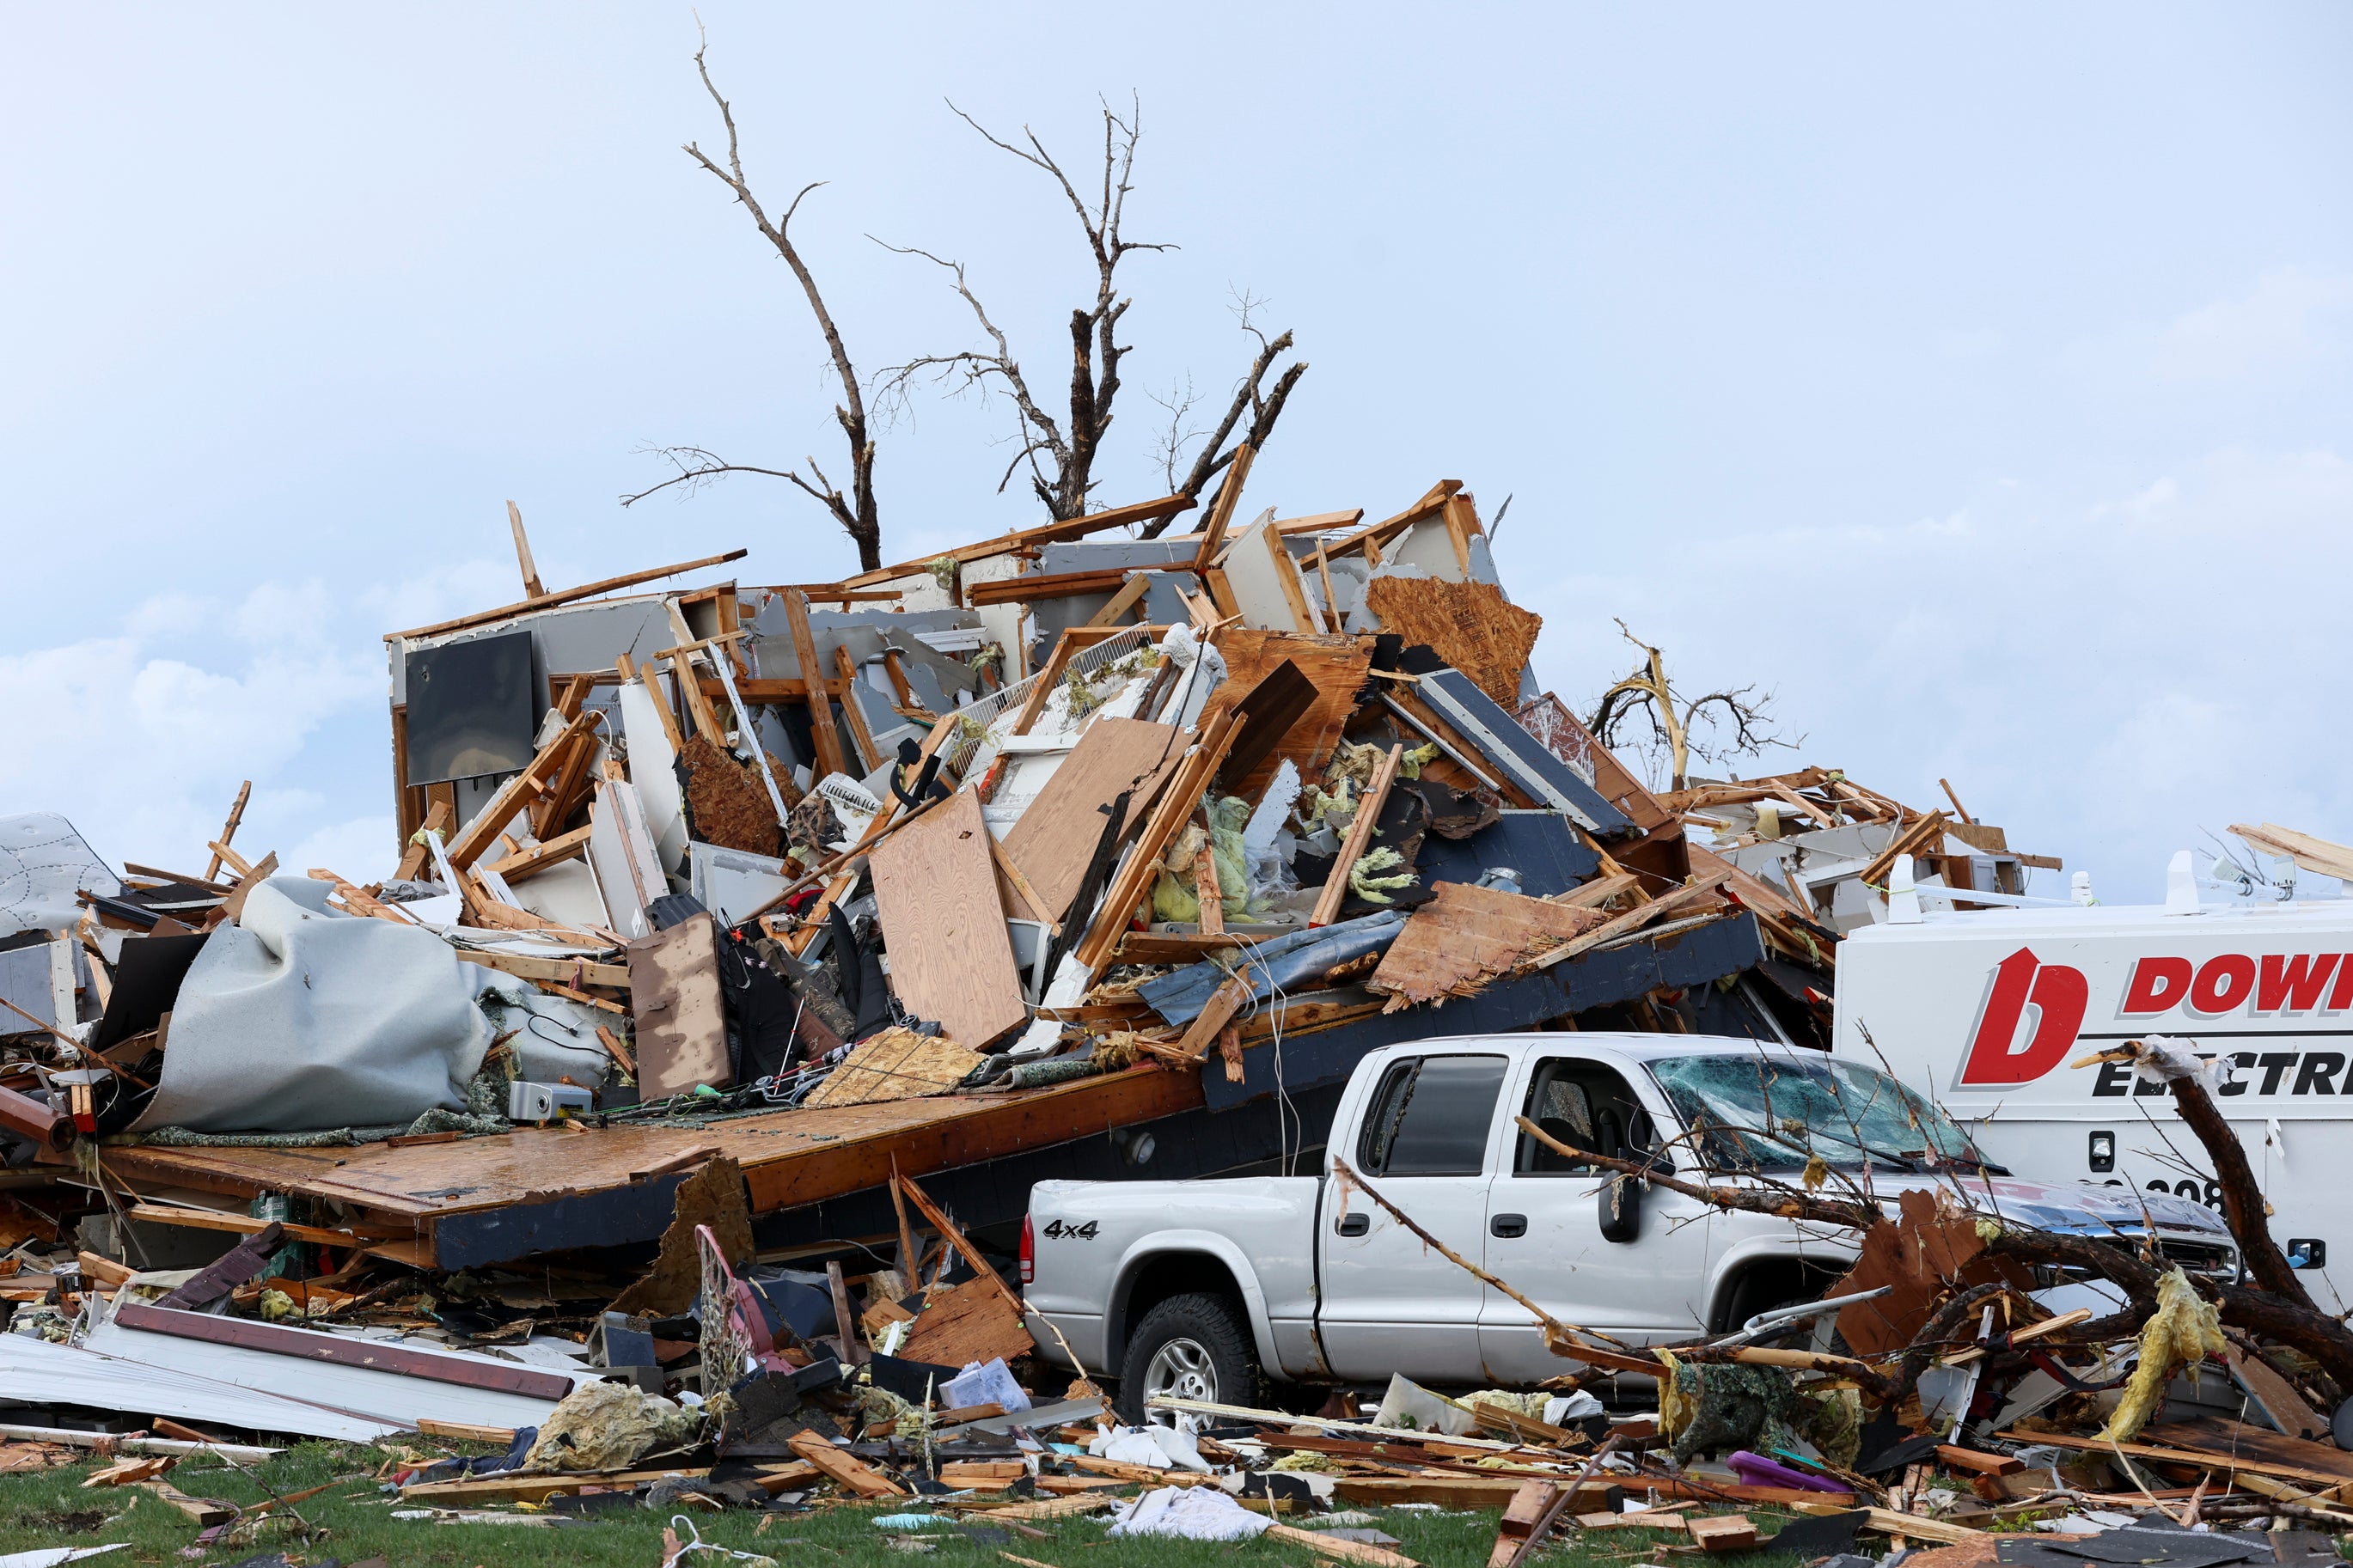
[{"x": 1621, "y": 1203}]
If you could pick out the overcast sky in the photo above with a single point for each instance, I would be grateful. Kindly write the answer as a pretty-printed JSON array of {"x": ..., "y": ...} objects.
[{"x": 1976, "y": 381}]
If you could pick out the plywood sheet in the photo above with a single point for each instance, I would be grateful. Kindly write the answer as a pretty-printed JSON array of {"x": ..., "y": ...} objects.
[
  {"x": 1467, "y": 935},
  {"x": 935, "y": 894},
  {"x": 1056, "y": 835},
  {"x": 1471, "y": 626},
  {"x": 1336, "y": 664},
  {"x": 897, "y": 1064}
]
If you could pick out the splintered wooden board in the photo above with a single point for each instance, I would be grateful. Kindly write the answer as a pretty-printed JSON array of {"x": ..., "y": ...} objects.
[
  {"x": 1471, "y": 626},
  {"x": 1057, "y": 836},
  {"x": 967, "y": 1322},
  {"x": 897, "y": 1064},
  {"x": 1461, "y": 940},
  {"x": 935, "y": 894},
  {"x": 1336, "y": 665}
]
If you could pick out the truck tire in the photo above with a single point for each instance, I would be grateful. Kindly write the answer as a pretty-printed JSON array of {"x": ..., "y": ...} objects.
[{"x": 1192, "y": 1346}]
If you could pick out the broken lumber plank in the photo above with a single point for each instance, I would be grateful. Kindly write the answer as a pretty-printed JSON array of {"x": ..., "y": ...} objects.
[
  {"x": 569, "y": 845},
  {"x": 2240, "y": 1463},
  {"x": 565, "y": 596},
  {"x": 1682, "y": 898},
  {"x": 534, "y": 1488},
  {"x": 1360, "y": 837},
  {"x": 204, "y": 1510},
  {"x": 564, "y": 971},
  {"x": 1048, "y": 534},
  {"x": 1222, "y": 506},
  {"x": 1917, "y": 1526},
  {"x": 829, "y": 758},
  {"x": 844, "y": 1467},
  {"x": 1979, "y": 1462},
  {"x": 228, "y": 831},
  {"x": 1315, "y": 1540},
  {"x": 1722, "y": 1531}
]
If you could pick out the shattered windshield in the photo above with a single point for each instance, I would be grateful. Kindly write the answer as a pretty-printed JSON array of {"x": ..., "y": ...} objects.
[{"x": 1767, "y": 1112}]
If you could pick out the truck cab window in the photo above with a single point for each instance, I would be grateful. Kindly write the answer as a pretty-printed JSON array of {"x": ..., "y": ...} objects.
[
  {"x": 1588, "y": 1107},
  {"x": 1431, "y": 1116}
]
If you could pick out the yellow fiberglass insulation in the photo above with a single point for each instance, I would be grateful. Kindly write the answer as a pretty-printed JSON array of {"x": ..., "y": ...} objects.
[{"x": 2183, "y": 1330}]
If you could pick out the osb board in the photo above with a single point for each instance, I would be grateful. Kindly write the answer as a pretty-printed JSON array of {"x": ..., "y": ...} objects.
[
  {"x": 935, "y": 894},
  {"x": 1057, "y": 836},
  {"x": 729, "y": 805},
  {"x": 966, "y": 1323},
  {"x": 1471, "y": 626},
  {"x": 1924, "y": 1254},
  {"x": 789, "y": 1157},
  {"x": 713, "y": 1196},
  {"x": 1336, "y": 666},
  {"x": 1467, "y": 935},
  {"x": 897, "y": 1064}
]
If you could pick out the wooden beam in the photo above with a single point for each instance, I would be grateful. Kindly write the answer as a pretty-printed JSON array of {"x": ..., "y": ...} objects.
[
  {"x": 1049, "y": 533},
  {"x": 1371, "y": 540},
  {"x": 532, "y": 586},
  {"x": 547, "y": 852},
  {"x": 1360, "y": 836},
  {"x": 565, "y": 971},
  {"x": 860, "y": 732},
  {"x": 1031, "y": 586},
  {"x": 1321, "y": 522},
  {"x": 565, "y": 596},
  {"x": 1126, "y": 599},
  {"x": 413, "y": 856},
  {"x": 236, "y": 816},
  {"x": 242, "y": 1225},
  {"x": 829, "y": 758},
  {"x": 1221, "y": 511}
]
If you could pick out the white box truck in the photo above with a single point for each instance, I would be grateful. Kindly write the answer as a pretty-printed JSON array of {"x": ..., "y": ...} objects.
[{"x": 1983, "y": 1010}]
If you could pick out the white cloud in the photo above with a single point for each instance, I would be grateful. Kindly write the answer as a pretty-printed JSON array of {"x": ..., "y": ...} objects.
[
  {"x": 142, "y": 736},
  {"x": 2104, "y": 679},
  {"x": 2291, "y": 315}
]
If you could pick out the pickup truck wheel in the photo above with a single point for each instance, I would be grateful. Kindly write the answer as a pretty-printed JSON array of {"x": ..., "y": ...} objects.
[{"x": 1190, "y": 1347}]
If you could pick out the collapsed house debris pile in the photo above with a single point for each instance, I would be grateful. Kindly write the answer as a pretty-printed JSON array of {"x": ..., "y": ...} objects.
[{"x": 725, "y": 922}]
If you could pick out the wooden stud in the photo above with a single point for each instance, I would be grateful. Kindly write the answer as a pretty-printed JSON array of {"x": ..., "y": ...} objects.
[
  {"x": 545, "y": 853},
  {"x": 1331, "y": 598},
  {"x": 1360, "y": 836},
  {"x": 1031, "y": 899},
  {"x": 236, "y": 816},
  {"x": 1208, "y": 892},
  {"x": 1222, "y": 510},
  {"x": 1127, "y": 598},
  {"x": 615, "y": 1049},
  {"x": 413, "y": 856},
  {"x": 532, "y": 586},
  {"x": 691, "y": 693},
  {"x": 829, "y": 758},
  {"x": 860, "y": 734},
  {"x": 1230, "y": 997}
]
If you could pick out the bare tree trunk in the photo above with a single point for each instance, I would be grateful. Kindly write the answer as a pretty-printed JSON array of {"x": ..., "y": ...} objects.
[{"x": 855, "y": 511}]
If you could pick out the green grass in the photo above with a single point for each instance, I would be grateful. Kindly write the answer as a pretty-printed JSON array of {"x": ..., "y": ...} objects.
[{"x": 50, "y": 1508}]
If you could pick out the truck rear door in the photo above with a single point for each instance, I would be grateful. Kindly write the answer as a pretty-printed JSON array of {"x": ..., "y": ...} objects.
[{"x": 1388, "y": 1303}]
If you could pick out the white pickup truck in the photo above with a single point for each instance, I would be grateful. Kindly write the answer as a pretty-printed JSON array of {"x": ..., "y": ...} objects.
[{"x": 1207, "y": 1288}]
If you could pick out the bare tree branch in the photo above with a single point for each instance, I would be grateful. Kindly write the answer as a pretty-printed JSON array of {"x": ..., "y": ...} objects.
[
  {"x": 1673, "y": 717},
  {"x": 1264, "y": 406},
  {"x": 855, "y": 511}
]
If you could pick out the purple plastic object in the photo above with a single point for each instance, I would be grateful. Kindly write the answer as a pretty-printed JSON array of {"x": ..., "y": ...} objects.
[{"x": 1757, "y": 1470}]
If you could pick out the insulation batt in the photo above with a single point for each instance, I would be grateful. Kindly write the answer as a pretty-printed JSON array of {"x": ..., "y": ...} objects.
[{"x": 2184, "y": 1331}]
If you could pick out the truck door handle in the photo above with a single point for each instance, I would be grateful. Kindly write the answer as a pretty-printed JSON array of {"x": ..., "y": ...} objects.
[
  {"x": 1354, "y": 1223},
  {"x": 1508, "y": 1226}
]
